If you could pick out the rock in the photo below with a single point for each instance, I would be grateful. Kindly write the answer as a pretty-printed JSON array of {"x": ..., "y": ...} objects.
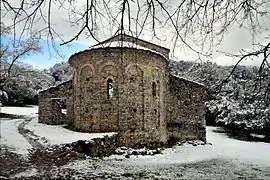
[
  {"x": 129, "y": 152},
  {"x": 87, "y": 142},
  {"x": 149, "y": 152},
  {"x": 155, "y": 152},
  {"x": 124, "y": 148},
  {"x": 119, "y": 151},
  {"x": 180, "y": 143},
  {"x": 143, "y": 151},
  {"x": 202, "y": 143},
  {"x": 135, "y": 153}
]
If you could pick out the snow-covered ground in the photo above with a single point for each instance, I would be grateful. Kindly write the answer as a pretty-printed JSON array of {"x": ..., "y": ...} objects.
[
  {"x": 29, "y": 110},
  {"x": 250, "y": 152},
  {"x": 223, "y": 148},
  {"x": 44, "y": 134},
  {"x": 11, "y": 137},
  {"x": 51, "y": 134},
  {"x": 226, "y": 154}
]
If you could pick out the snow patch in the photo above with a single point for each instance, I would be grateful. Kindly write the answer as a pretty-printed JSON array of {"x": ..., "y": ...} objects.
[
  {"x": 252, "y": 152},
  {"x": 186, "y": 153},
  {"x": 11, "y": 137},
  {"x": 223, "y": 148},
  {"x": 26, "y": 173},
  {"x": 29, "y": 110},
  {"x": 189, "y": 79},
  {"x": 57, "y": 134}
]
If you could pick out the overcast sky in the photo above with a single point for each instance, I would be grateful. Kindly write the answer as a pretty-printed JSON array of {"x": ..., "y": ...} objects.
[{"x": 235, "y": 40}]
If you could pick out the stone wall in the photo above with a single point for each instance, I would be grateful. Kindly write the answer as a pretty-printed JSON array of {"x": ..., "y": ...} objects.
[
  {"x": 49, "y": 109},
  {"x": 129, "y": 91},
  {"x": 185, "y": 109},
  {"x": 137, "y": 105},
  {"x": 106, "y": 146}
]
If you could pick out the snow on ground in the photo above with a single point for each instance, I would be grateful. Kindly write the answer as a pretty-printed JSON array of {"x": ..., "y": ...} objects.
[
  {"x": 47, "y": 134},
  {"x": 11, "y": 138},
  {"x": 251, "y": 152},
  {"x": 28, "y": 173},
  {"x": 10, "y": 135},
  {"x": 223, "y": 148},
  {"x": 60, "y": 135},
  {"x": 28, "y": 110}
]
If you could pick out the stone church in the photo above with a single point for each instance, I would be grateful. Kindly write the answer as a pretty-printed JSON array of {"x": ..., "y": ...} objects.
[{"x": 123, "y": 85}]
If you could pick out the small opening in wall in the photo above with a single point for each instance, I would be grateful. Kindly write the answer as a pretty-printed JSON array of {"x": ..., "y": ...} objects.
[
  {"x": 154, "y": 89},
  {"x": 87, "y": 79},
  {"x": 109, "y": 88},
  {"x": 196, "y": 110},
  {"x": 62, "y": 104},
  {"x": 134, "y": 110},
  {"x": 155, "y": 110}
]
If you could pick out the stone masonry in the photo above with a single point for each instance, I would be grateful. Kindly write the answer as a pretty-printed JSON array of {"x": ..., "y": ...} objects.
[
  {"x": 129, "y": 90},
  {"x": 49, "y": 111}
]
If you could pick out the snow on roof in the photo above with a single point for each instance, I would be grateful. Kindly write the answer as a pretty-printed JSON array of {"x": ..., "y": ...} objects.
[
  {"x": 126, "y": 45},
  {"x": 61, "y": 83},
  {"x": 133, "y": 39},
  {"x": 187, "y": 79}
]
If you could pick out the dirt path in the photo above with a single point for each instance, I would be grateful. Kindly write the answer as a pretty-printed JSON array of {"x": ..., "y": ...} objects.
[
  {"x": 13, "y": 163},
  {"x": 29, "y": 135}
]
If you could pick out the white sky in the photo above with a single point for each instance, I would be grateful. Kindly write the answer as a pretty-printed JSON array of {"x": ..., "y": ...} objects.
[{"x": 235, "y": 40}]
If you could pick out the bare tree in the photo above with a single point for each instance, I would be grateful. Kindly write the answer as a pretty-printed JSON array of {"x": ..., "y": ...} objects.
[
  {"x": 13, "y": 51},
  {"x": 198, "y": 25}
]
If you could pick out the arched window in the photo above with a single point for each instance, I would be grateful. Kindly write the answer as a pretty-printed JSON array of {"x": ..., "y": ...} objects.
[
  {"x": 154, "y": 89},
  {"x": 109, "y": 88}
]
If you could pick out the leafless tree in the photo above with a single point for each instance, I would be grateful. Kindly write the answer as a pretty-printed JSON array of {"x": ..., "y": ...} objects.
[
  {"x": 11, "y": 52},
  {"x": 189, "y": 23}
]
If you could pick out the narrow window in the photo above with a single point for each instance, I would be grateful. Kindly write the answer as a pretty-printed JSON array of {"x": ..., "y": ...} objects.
[
  {"x": 154, "y": 89},
  {"x": 110, "y": 88}
]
